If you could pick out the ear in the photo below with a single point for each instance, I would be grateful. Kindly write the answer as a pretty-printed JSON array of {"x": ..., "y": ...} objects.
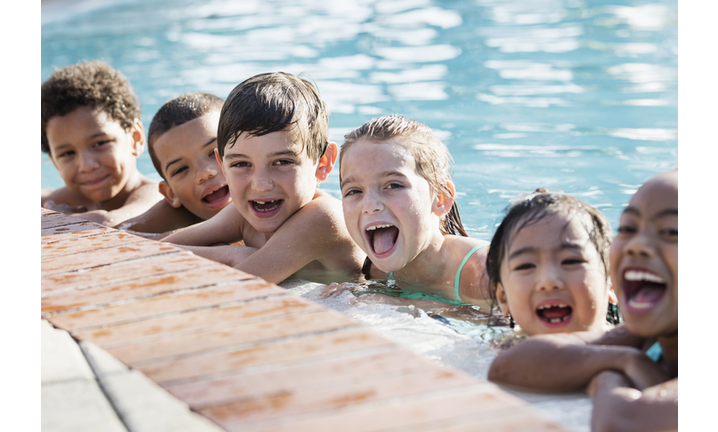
[
  {"x": 326, "y": 162},
  {"x": 137, "y": 132},
  {"x": 503, "y": 301},
  {"x": 444, "y": 201},
  {"x": 219, "y": 162},
  {"x": 169, "y": 195}
]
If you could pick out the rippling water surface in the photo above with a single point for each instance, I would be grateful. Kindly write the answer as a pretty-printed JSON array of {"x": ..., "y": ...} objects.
[{"x": 578, "y": 96}]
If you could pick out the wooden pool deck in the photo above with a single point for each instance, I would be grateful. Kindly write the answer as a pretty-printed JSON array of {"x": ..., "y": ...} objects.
[{"x": 246, "y": 354}]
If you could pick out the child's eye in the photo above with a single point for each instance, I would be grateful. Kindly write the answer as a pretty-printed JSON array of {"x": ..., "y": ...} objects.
[
  {"x": 100, "y": 143},
  {"x": 179, "y": 170},
  {"x": 394, "y": 185},
  {"x": 669, "y": 232},
  {"x": 283, "y": 162},
  {"x": 524, "y": 266},
  {"x": 572, "y": 261},
  {"x": 66, "y": 154},
  {"x": 241, "y": 164},
  {"x": 626, "y": 229},
  {"x": 351, "y": 192}
]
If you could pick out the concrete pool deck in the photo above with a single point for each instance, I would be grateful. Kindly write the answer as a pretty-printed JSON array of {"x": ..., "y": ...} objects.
[{"x": 139, "y": 335}]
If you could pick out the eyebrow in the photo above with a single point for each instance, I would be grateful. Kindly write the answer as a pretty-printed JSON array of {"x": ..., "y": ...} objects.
[
  {"x": 382, "y": 174},
  {"x": 275, "y": 154},
  {"x": 531, "y": 249},
  {"x": 172, "y": 162},
  {"x": 661, "y": 214}
]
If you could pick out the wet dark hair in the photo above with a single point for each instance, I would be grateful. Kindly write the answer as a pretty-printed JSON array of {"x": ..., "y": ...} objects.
[
  {"x": 91, "y": 84},
  {"x": 534, "y": 208},
  {"x": 273, "y": 102},
  {"x": 176, "y": 112},
  {"x": 432, "y": 158}
]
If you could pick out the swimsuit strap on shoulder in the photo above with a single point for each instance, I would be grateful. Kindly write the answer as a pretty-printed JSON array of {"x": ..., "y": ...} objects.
[
  {"x": 461, "y": 267},
  {"x": 655, "y": 352}
]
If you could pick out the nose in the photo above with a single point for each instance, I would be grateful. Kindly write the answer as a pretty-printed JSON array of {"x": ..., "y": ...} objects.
[
  {"x": 639, "y": 245},
  {"x": 208, "y": 171},
  {"x": 262, "y": 181},
  {"x": 549, "y": 278},
  {"x": 87, "y": 162},
  {"x": 372, "y": 203}
]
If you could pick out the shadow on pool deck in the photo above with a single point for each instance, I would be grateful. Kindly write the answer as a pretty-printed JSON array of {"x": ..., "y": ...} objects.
[{"x": 245, "y": 354}]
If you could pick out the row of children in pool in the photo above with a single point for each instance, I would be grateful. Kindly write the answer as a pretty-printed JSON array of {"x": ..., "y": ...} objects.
[{"x": 265, "y": 149}]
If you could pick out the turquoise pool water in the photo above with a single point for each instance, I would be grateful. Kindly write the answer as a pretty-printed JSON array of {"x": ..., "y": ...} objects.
[{"x": 579, "y": 96}]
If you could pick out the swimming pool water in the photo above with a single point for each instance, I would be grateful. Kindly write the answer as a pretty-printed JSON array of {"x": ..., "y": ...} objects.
[{"x": 578, "y": 96}]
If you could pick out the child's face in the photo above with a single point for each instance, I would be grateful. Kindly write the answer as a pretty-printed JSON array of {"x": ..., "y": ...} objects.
[
  {"x": 93, "y": 153},
  {"x": 644, "y": 259},
  {"x": 193, "y": 177},
  {"x": 270, "y": 177},
  {"x": 552, "y": 277},
  {"x": 389, "y": 209}
]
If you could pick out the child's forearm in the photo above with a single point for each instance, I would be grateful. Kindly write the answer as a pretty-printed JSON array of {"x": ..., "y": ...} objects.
[
  {"x": 557, "y": 362},
  {"x": 231, "y": 255},
  {"x": 618, "y": 407}
]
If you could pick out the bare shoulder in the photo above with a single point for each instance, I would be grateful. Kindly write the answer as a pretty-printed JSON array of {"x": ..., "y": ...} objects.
[
  {"x": 472, "y": 276},
  {"x": 146, "y": 190},
  {"x": 63, "y": 196},
  {"x": 323, "y": 213}
]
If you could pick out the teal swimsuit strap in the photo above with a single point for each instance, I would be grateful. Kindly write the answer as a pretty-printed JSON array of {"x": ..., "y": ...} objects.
[
  {"x": 461, "y": 267},
  {"x": 655, "y": 352}
]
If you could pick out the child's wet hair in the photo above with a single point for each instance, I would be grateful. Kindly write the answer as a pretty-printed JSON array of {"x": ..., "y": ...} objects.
[
  {"x": 176, "y": 112},
  {"x": 91, "y": 84},
  {"x": 273, "y": 102},
  {"x": 531, "y": 210},
  {"x": 433, "y": 161}
]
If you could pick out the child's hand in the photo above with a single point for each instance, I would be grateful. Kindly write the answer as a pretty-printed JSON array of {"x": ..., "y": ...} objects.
[
  {"x": 334, "y": 289},
  {"x": 643, "y": 372}
]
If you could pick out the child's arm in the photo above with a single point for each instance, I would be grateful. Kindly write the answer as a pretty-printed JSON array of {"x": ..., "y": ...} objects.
[
  {"x": 224, "y": 227},
  {"x": 617, "y": 406},
  {"x": 315, "y": 232},
  {"x": 568, "y": 361},
  {"x": 161, "y": 218}
]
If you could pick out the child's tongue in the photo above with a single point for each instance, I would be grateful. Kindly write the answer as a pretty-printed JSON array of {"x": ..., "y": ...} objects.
[
  {"x": 555, "y": 312},
  {"x": 384, "y": 239},
  {"x": 647, "y": 294},
  {"x": 216, "y": 195}
]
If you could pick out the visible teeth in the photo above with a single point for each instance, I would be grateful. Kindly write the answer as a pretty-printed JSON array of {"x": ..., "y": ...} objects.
[
  {"x": 263, "y": 202},
  {"x": 552, "y": 306},
  {"x": 372, "y": 228},
  {"x": 634, "y": 275}
]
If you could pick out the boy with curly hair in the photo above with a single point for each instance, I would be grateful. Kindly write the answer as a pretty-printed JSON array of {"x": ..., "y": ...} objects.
[{"x": 91, "y": 130}]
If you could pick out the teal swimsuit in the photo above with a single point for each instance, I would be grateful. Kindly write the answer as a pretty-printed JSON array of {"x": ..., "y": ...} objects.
[
  {"x": 457, "y": 302},
  {"x": 655, "y": 352}
]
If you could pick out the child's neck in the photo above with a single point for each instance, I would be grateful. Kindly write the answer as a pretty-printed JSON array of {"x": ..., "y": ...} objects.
[
  {"x": 428, "y": 269},
  {"x": 669, "y": 346}
]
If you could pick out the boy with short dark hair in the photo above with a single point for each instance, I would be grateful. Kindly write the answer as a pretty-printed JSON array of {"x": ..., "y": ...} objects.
[
  {"x": 273, "y": 148},
  {"x": 91, "y": 130},
  {"x": 181, "y": 143}
]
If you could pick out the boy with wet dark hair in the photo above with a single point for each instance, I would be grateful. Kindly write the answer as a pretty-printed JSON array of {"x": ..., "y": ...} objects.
[
  {"x": 91, "y": 130},
  {"x": 273, "y": 148},
  {"x": 181, "y": 143}
]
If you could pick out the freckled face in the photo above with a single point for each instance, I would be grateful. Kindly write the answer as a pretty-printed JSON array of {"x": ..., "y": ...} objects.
[
  {"x": 270, "y": 178},
  {"x": 389, "y": 209},
  {"x": 94, "y": 155},
  {"x": 186, "y": 155},
  {"x": 552, "y": 278},
  {"x": 644, "y": 259}
]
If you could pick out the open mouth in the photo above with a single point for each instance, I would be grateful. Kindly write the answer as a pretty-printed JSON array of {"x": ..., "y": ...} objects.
[
  {"x": 217, "y": 198},
  {"x": 555, "y": 314},
  {"x": 382, "y": 238},
  {"x": 643, "y": 290},
  {"x": 266, "y": 208}
]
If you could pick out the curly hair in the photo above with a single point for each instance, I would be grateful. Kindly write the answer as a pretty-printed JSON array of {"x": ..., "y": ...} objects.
[
  {"x": 176, "y": 112},
  {"x": 273, "y": 102},
  {"x": 93, "y": 84},
  {"x": 534, "y": 208}
]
